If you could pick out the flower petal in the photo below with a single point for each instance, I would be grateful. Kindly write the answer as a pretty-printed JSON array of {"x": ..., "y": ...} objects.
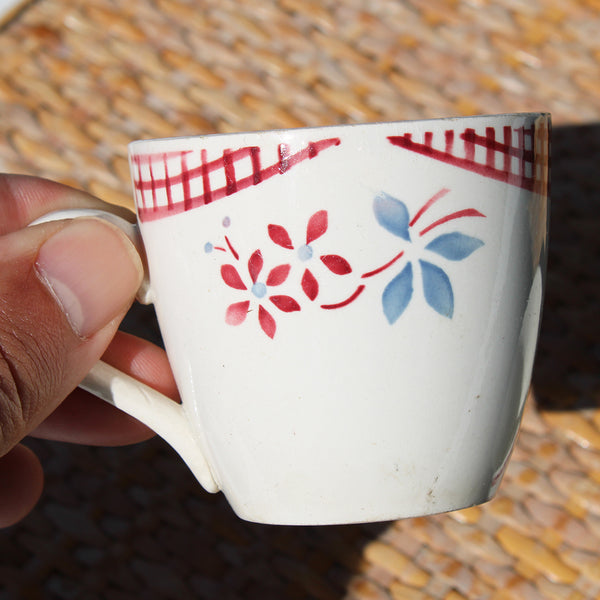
[
  {"x": 454, "y": 246},
  {"x": 397, "y": 294},
  {"x": 285, "y": 303},
  {"x": 280, "y": 236},
  {"x": 267, "y": 322},
  {"x": 278, "y": 275},
  {"x": 236, "y": 313},
  {"x": 392, "y": 215},
  {"x": 438, "y": 289},
  {"x": 255, "y": 265},
  {"x": 310, "y": 285},
  {"x": 317, "y": 226},
  {"x": 232, "y": 278},
  {"x": 336, "y": 264}
]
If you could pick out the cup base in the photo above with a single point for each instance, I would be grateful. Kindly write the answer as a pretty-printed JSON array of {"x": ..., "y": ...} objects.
[{"x": 335, "y": 516}]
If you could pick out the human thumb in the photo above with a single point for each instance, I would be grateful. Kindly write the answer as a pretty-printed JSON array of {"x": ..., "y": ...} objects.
[{"x": 64, "y": 287}]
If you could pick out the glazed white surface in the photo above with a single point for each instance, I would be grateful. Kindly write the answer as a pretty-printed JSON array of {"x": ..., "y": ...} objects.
[{"x": 343, "y": 416}]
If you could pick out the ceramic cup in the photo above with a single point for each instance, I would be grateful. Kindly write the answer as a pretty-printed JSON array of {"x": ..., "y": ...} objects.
[{"x": 350, "y": 312}]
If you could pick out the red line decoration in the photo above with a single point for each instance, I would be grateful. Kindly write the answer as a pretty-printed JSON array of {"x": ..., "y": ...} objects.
[
  {"x": 467, "y": 212},
  {"x": 383, "y": 267},
  {"x": 357, "y": 292},
  {"x": 507, "y": 157},
  {"x": 428, "y": 205},
  {"x": 167, "y": 183}
]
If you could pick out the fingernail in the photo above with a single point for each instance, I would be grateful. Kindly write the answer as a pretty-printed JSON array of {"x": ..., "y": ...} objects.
[{"x": 93, "y": 272}]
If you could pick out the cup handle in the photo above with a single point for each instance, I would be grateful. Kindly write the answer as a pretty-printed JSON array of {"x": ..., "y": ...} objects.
[
  {"x": 161, "y": 414},
  {"x": 166, "y": 417}
]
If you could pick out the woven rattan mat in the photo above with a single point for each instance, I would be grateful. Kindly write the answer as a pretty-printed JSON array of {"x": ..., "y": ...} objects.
[{"x": 81, "y": 78}]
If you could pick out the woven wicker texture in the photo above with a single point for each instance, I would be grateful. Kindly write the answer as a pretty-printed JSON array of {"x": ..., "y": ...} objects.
[{"x": 80, "y": 79}]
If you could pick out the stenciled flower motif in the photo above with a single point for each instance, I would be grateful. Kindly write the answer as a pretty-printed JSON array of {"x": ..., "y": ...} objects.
[
  {"x": 317, "y": 226},
  {"x": 236, "y": 313},
  {"x": 393, "y": 215}
]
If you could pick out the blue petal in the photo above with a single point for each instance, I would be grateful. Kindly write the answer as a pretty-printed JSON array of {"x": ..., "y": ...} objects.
[
  {"x": 392, "y": 214},
  {"x": 437, "y": 288},
  {"x": 454, "y": 246},
  {"x": 397, "y": 294}
]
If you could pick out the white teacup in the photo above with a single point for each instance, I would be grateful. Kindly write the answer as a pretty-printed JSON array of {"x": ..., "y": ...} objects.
[{"x": 350, "y": 312}]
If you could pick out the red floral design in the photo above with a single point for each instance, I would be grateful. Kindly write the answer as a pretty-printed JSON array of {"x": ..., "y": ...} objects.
[
  {"x": 310, "y": 285},
  {"x": 280, "y": 236},
  {"x": 237, "y": 312},
  {"x": 336, "y": 264},
  {"x": 316, "y": 228}
]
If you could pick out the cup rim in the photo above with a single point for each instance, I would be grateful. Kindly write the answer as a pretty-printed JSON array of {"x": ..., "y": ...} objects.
[{"x": 133, "y": 145}]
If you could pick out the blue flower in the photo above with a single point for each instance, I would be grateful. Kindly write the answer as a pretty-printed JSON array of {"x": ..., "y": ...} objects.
[{"x": 393, "y": 215}]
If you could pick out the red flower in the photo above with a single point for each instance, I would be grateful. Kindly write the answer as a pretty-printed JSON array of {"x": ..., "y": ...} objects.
[
  {"x": 317, "y": 226},
  {"x": 236, "y": 313}
]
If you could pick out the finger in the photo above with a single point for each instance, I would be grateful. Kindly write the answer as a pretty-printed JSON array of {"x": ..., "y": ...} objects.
[
  {"x": 23, "y": 199},
  {"x": 64, "y": 287},
  {"x": 85, "y": 419},
  {"x": 22, "y": 480},
  {"x": 143, "y": 361}
]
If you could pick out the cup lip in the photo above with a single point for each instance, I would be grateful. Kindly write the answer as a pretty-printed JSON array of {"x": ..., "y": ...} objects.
[{"x": 134, "y": 145}]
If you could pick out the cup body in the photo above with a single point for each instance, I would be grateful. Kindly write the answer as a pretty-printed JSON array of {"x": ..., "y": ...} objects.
[{"x": 350, "y": 312}]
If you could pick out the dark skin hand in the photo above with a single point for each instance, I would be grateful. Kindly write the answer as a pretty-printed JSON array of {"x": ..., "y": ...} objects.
[{"x": 64, "y": 288}]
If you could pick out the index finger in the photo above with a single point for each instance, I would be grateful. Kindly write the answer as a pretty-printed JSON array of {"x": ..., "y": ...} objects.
[{"x": 24, "y": 198}]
